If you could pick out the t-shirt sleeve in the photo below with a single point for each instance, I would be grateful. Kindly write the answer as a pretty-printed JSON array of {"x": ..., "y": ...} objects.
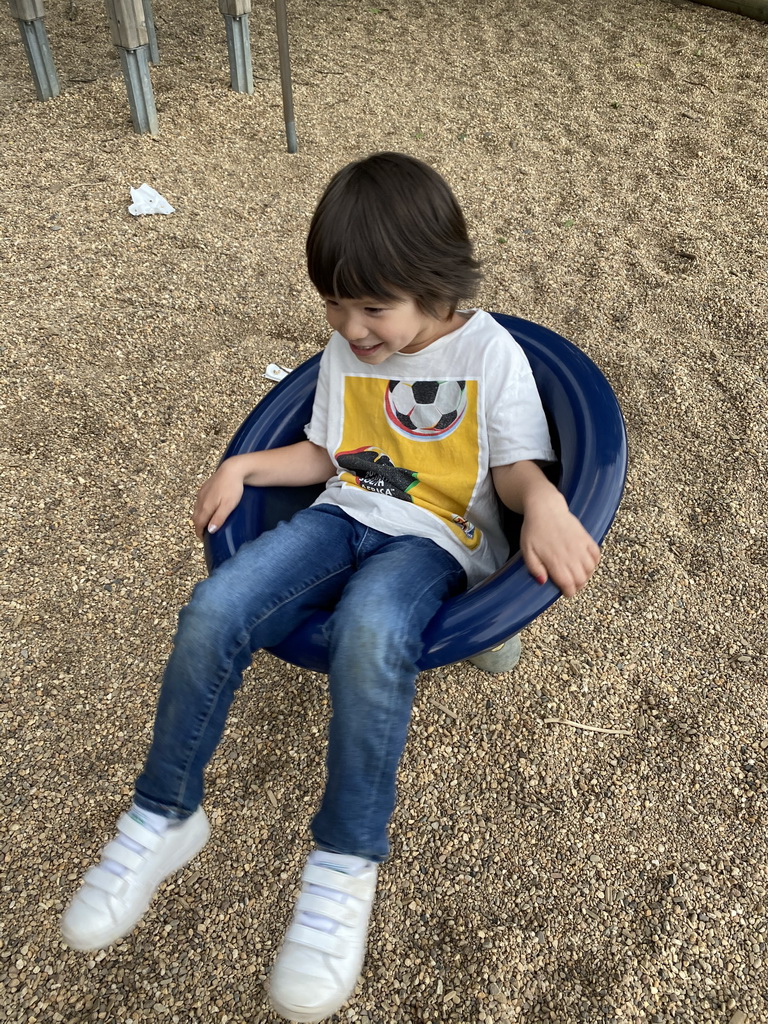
[
  {"x": 517, "y": 424},
  {"x": 317, "y": 428}
]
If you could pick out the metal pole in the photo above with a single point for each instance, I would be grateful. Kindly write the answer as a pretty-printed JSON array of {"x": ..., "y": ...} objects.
[
  {"x": 285, "y": 75},
  {"x": 149, "y": 18}
]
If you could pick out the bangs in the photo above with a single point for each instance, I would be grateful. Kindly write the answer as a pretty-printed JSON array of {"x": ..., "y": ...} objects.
[
  {"x": 349, "y": 258},
  {"x": 349, "y": 277}
]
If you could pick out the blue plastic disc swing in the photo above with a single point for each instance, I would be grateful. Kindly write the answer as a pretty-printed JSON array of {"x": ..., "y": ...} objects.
[{"x": 588, "y": 434}]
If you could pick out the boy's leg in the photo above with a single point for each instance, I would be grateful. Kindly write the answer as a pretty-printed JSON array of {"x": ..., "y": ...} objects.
[
  {"x": 375, "y": 642},
  {"x": 253, "y": 600}
]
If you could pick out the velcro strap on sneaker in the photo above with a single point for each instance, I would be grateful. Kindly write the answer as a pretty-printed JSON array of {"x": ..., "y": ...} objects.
[
  {"x": 315, "y": 939},
  {"x": 361, "y": 888},
  {"x": 339, "y": 912},
  {"x": 128, "y": 858},
  {"x": 139, "y": 833},
  {"x": 105, "y": 880}
]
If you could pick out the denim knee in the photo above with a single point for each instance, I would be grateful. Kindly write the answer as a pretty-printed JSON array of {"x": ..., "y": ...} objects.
[
  {"x": 370, "y": 643},
  {"x": 208, "y": 629}
]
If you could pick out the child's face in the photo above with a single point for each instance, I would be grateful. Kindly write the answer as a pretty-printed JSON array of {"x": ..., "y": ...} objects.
[{"x": 377, "y": 328}]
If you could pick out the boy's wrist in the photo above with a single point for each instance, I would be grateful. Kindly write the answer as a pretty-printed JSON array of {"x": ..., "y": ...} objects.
[
  {"x": 543, "y": 498},
  {"x": 238, "y": 467}
]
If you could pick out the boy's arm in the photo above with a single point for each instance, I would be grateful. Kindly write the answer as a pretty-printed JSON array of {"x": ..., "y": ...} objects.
[
  {"x": 291, "y": 466},
  {"x": 553, "y": 542}
]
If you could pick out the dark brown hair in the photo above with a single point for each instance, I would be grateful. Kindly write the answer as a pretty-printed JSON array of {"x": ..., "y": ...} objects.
[{"x": 387, "y": 227}]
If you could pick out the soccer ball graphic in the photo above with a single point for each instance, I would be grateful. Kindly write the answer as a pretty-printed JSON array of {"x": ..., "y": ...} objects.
[{"x": 425, "y": 409}]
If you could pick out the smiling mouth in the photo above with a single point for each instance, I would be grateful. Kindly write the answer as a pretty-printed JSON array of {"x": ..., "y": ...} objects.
[{"x": 365, "y": 348}]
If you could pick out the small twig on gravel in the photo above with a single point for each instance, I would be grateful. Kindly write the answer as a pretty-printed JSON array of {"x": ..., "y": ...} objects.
[
  {"x": 590, "y": 728},
  {"x": 183, "y": 561},
  {"x": 444, "y": 709},
  {"x": 703, "y": 85},
  {"x": 537, "y": 805}
]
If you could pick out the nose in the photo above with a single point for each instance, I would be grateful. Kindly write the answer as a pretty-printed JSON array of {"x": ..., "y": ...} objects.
[{"x": 353, "y": 328}]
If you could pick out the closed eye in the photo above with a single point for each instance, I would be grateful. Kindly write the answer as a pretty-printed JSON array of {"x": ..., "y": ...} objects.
[{"x": 368, "y": 310}]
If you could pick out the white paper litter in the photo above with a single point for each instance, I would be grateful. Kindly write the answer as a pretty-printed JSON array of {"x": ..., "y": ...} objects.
[
  {"x": 275, "y": 372},
  {"x": 147, "y": 200}
]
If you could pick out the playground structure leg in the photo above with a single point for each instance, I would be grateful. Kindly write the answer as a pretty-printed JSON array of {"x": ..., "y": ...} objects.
[
  {"x": 236, "y": 14},
  {"x": 132, "y": 28},
  {"x": 128, "y": 27},
  {"x": 141, "y": 99},
  {"x": 29, "y": 14},
  {"x": 236, "y": 20}
]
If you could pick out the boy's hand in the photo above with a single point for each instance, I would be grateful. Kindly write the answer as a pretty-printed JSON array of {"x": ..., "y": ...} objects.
[
  {"x": 290, "y": 466},
  {"x": 219, "y": 495},
  {"x": 556, "y": 546},
  {"x": 553, "y": 542}
]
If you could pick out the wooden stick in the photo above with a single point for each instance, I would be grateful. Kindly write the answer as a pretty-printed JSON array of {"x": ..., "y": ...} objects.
[
  {"x": 444, "y": 709},
  {"x": 589, "y": 728}
]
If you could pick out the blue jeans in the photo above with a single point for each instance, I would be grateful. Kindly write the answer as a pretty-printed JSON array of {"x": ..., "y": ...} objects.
[{"x": 384, "y": 591}]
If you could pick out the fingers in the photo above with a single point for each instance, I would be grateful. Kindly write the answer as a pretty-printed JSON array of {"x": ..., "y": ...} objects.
[
  {"x": 220, "y": 514},
  {"x": 200, "y": 519},
  {"x": 211, "y": 514},
  {"x": 216, "y": 499},
  {"x": 569, "y": 568},
  {"x": 574, "y": 575},
  {"x": 535, "y": 566},
  {"x": 203, "y": 510}
]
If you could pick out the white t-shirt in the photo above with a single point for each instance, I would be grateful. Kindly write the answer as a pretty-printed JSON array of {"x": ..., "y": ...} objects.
[{"x": 414, "y": 439}]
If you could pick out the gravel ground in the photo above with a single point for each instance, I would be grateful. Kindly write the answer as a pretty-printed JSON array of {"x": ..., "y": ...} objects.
[{"x": 611, "y": 158}]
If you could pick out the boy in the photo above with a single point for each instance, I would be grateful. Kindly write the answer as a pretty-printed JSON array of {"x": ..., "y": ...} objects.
[{"x": 411, "y": 494}]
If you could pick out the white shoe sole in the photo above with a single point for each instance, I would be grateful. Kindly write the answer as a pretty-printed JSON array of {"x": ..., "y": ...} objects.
[{"x": 302, "y": 1017}]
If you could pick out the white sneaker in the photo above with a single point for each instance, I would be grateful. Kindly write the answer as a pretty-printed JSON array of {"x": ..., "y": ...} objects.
[
  {"x": 318, "y": 966},
  {"x": 106, "y": 906}
]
